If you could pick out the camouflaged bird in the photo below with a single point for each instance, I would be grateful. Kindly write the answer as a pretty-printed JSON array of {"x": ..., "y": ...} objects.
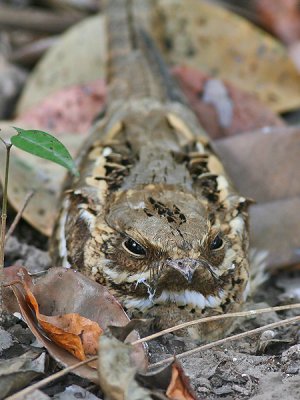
[{"x": 153, "y": 215}]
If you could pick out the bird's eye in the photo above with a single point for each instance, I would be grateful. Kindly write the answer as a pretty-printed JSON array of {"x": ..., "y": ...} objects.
[
  {"x": 134, "y": 248},
  {"x": 217, "y": 243}
]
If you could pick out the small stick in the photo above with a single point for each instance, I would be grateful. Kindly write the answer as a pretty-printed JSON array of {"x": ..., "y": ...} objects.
[
  {"x": 3, "y": 219},
  {"x": 29, "y": 54},
  {"x": 82, "y": 5},
  {"x": 19, "y": 215},
  {"x": 22, "y": 393},
  {"x": 33, "y": 19},
  {"x": 226, "y": 340},
  {"x": 214, "y": 318}
]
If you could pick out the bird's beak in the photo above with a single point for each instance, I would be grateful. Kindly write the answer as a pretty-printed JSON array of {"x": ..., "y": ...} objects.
[{"x": 186, "y": 266}]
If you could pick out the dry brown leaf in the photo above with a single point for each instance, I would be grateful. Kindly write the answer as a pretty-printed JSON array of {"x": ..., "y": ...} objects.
[
  {"x": 200, "y": 34},
  {"x": 10, "y": 302},
  {"x": 59, "y": 68},
  {"x": 225, "y": 110},
  {"x": 72, "y": 109},
  {"x": 275, "y": 228},
  {"x": 68, "y": 291},
  {"x": 122, "y": 332},
  {"x": 76, "y": 334},
  {"x": 264, "y": 165},
  {"x": 203, "y": 35},
  {"x": 171, "y": 380},
  {"x": 17, "y": 372},
  {"x": 179, "y": 388},
  {"x": 280, "y": 17},
  {"x": 117, "y": 372},
  {"x": 59, "y": 354},
  {"x": 294, "y": 53}
]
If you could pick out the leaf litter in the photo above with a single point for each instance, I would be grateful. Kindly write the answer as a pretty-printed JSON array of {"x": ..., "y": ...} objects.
[
  {"x": 116, "y": 371},
  {"x": 71, "y": 321}
]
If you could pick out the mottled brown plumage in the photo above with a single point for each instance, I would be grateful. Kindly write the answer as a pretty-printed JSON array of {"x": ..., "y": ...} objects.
[{"x": 153, "y": 215}]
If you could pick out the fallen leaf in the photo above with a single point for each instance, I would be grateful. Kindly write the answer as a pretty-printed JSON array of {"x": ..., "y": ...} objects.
[
  {"x": 75, "y": 392},
  {"x": 6, "y": 340},
  {"x": 37, "y": 395},
  {"x": 294, "y": 53},
  {"x": 171, "y": 380},
  {"x": 59, "y": 354},
  {"x": 55, "y": 71},
  {"x": 179, "y": 388},
  {"x": 117, "y": 372},
  {"x": 191, "y": 32},
  {"x": 281, "y": 17},
  {"x": 71, "y": 109},
  {"x": 18, "y": 372},
  {"x": 203, "y": 35},
  {"x": 122, "y": 332},
  {"x": 222, "y": 108},
  {"x": 259, "y": 164},
  {"x": 11, "y": 274},
  {"x": 62, "y": 288},
  {"x": 76, "y": 334},
  {"x": 289, "y": 285},
  {"x": 275, "y": 228},
  {"x": 264, "y": 164}
]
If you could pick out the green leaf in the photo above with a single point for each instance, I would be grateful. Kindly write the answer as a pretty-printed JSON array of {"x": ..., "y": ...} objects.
[{"x": 44, "y": 145}]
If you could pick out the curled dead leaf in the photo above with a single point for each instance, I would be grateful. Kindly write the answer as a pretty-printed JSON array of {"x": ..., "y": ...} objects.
[
  {"x": 76, "y": 334},
  {"x": 65, "y": 292},
  {"x": 170, "y": 380},
  {"x": 179, "y": 387},
  {"x": 117, "y": 372},
  {"x": 122, "y": 332}
]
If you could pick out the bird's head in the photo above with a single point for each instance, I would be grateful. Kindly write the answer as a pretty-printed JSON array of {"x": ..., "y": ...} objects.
[{"x": 167, "y": 242}]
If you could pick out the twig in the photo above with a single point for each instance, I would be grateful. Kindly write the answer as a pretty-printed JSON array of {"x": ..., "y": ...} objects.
[
  {"x": 246, "y": 9},
  {"x": 29, "y": 54},
  {"x": 49, "y": 379},
  {"x": 22, "y": 393},
  {"x": 19, "y": 215},
  {"x": 214, "y": 318},
  {"x": 3, "y": 219},
  {"x": 35, "y": 20},
  {"x": 226, "y": 340},
  {"x": 82, "y": 5}
]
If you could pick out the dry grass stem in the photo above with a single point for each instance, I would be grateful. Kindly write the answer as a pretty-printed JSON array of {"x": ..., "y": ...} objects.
[
  {"x": 19, "y": 215},
  {"x": 25, "y": 392},
  {"x": 20, "y": 395},
  {"x": 249, "y": 313},
  {"x": 226, "y": 340}
]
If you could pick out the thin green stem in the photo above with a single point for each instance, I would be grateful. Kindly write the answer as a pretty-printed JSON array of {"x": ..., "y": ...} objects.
[{"x": 3, "y": 220}]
